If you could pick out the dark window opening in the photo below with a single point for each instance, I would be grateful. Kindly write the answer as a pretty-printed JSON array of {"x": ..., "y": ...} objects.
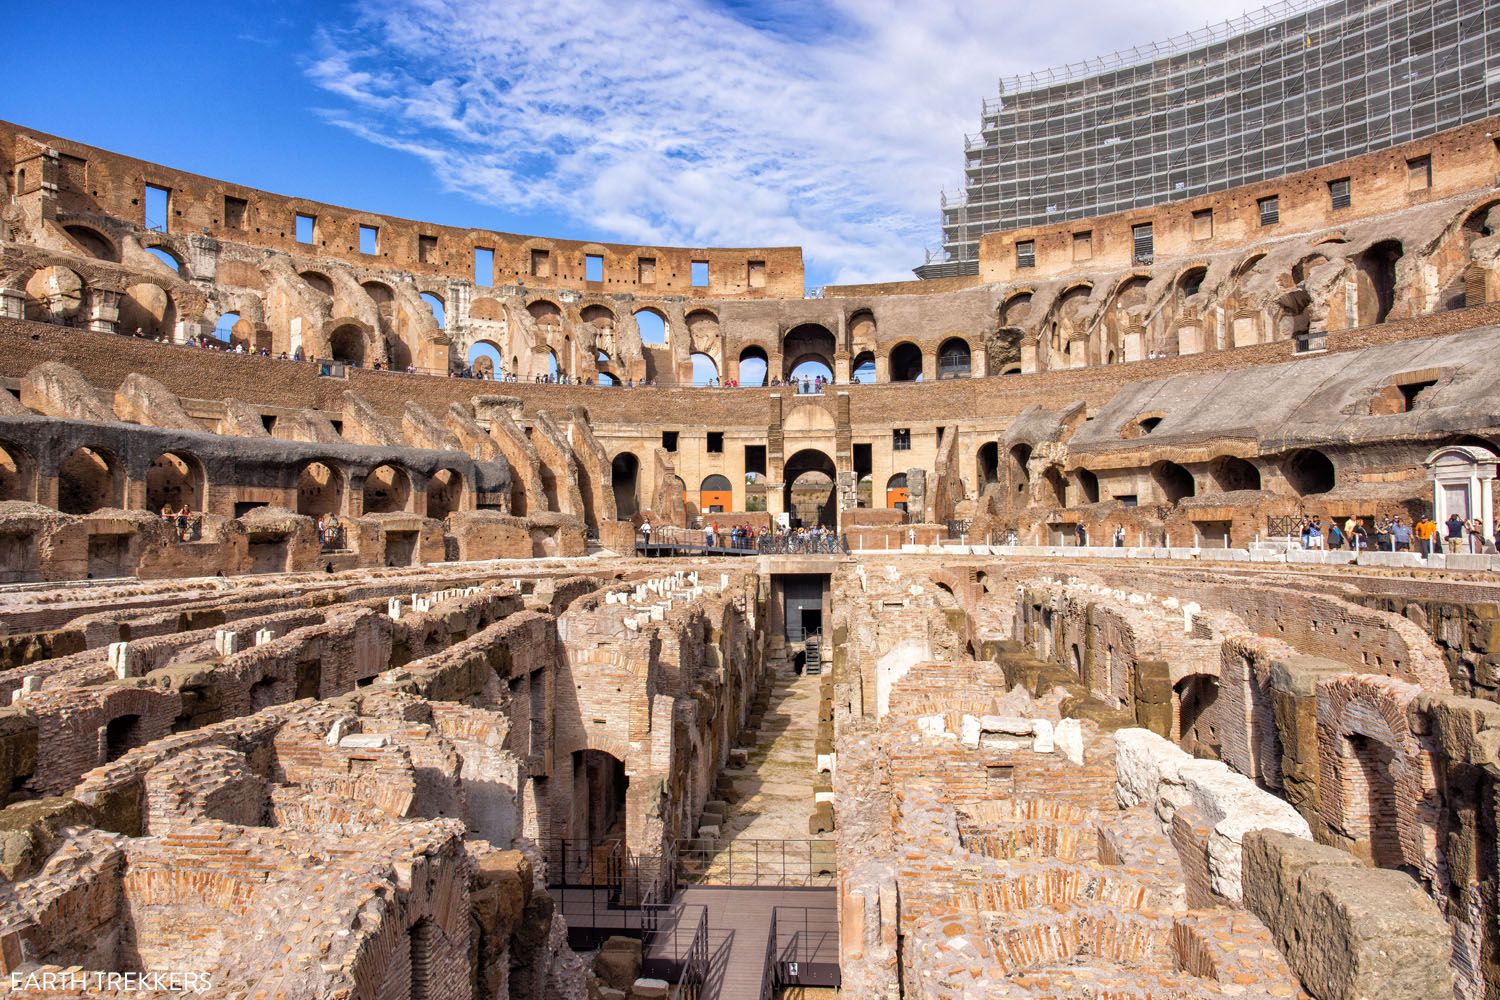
[
  {"x": 235, "y": 210},
  {"x": 268, "y": 421},
  {"x": 1411, "y": 391},
  {"x": 755, "y": 459},
  {"x": 901, "y": 439},
  {"x": 1270, "y": 210},
  {"x": 426, "y": 249},
  {"x": 669, "y": 440},
  {"x": 1338, "y": 193},
  {"x": 716, "y": 442}
]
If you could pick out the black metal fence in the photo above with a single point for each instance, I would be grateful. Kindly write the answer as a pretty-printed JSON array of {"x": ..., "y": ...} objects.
[
  {"x": 807, "y": 543},
  {"x": 761, "y": 863},
  {"x": 332, "y": 537}
]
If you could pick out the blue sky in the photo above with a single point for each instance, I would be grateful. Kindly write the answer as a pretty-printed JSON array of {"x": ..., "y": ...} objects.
[{"x": 692, "y": 122}]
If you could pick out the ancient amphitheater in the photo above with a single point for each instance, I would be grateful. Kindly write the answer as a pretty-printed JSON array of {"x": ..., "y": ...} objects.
[{"x": 338, "y": 661}]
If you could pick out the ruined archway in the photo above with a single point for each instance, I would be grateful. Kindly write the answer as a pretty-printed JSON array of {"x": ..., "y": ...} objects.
[
  {"x": 1230, "y": 474},
  {"x": 624, "y": 474},
  {"x": 599, "y": 796},
  {"x": 175, "y": 480},
  {"x": 809, "y": 494},
  {"x": 810, "y": 342},
  {"x": 445, "y": 493},
  {"x": 753, "y": 366},
  {"x": 1020, "y": 472},
  {"x": 988, "y": 463},
  {"x": 897, "y": 493},
  {"x": 387, "y": 490},
  {"x": 1377, "y": 269},
  {"x": 87, "y": 480},
  {"x": 1309, "y": 472},
  {"x": 347, "y": 344},
  {"x": 954, "y": 358},
  {"x": 320, "y": 490},
  {"x": 1173, "y": 481},
  {"x": 905, "y": 364},
  {"x": 17, "y": 473}
]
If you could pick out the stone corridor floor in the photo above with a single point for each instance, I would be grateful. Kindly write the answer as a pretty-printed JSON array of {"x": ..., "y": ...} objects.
[{"x": 775, "y": 788}]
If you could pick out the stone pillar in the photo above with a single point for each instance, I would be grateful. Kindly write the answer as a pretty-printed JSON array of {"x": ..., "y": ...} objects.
[
  {"x": 841, "y": 369},
  {"x": 104, "y": 310},
  {"x": 979, "y": 362}
]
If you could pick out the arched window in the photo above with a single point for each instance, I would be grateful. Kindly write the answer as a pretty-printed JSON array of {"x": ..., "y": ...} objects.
[
  {"x": 167, "y": 258},
  {"x": 347, "y": 344},
  {"x": 445, "y": 491},
  {"x": 863, "y": 368},
  {"x": 387, "y": 490},
  {"x": 715, "y": 495},
  {"x": 1309, "y": 472},
  {"x": 174, "y": 480},
  {"x": 320, "y": 490},
  {"x": 906, "y": 363},
  {"x": 1230, "y": 474},
  {"x": 705, "y": 372},
  {"x": 653, "y": 327},
  {"x": 623, "y": 473},
  {"x": 752, "y": 366},
  {"x": 436, "y": 305},
  {"x": 86, "y": 482},
  {"x": 484, "y": 359},
  {"x": 953, "y": 358},
  {"x": 1175, "y": 482}
]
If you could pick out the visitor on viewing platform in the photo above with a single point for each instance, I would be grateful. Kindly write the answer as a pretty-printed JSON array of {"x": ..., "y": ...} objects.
[
  {"x": 1360, "y": 538},
  {"x": 1336, "y": 536},
  {"x": 1454, "y": 529},
  {"x": 1426, "y": 532},
  {"x": 1400, "y": 535},
  {"x": 1120, "y": 538},
  {"x": 1082, "y": 533},
  {"x": 646, "y": 531}
]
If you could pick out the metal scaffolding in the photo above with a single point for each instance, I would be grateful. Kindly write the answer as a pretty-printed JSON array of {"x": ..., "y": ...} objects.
[{"x": 1294, "y": 86}]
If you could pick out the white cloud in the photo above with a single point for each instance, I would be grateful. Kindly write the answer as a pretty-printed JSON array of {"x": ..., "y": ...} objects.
[{"x": 674, "y": 123}]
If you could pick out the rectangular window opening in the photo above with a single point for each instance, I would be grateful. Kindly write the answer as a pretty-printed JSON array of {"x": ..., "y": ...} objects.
[
  {"x": 1143, "y": 243},
  {"x": 755, "y": 274},
  {"x": 426, "y": 249},
  {"x": 369, "y": 240},
  {"x": 306, "y": 228},
  {"x": 1270, "y": 209},
  {"x": 268, "y": 421},
  {"x": 1128, "y": 499},
  {"x": 645, "y": 270},
  {"x": 1338, "y": 193},
  {"x": 716, "y": 442},
  {"x": 669, "y": 440},
  {"x": 484, "y": 267},
  {"x": 1411, "y": 391},
  {"x": 158, "y": 203},
  {"x": 541, "y": 264},
  {"x": 593, "y": 267},
  {"x": 338, "y": 427},
  {"x": 755, "y": 460},
  {"x": 1203, "y": 224},
  {"x": 700, "y": 274},
  {"x": 1419, "y": 173},
  {"x": 901, "y": 439},
  {"x": 235, "y": 210}
]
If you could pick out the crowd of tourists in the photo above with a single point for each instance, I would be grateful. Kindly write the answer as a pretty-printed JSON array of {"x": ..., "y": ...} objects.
[
  {"x": 1396, "y": 534},
  {"x": 816, "y": 539}
]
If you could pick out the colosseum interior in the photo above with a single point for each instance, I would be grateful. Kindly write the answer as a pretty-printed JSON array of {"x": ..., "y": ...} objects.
[{"x": 337, "y": 663}]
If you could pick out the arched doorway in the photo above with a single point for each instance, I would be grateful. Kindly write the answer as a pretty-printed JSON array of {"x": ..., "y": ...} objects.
[
  {"x": 1020, "y": 469},
  {"x": 174, "y": 480},
  {"x": 445, "y": 492},
  {"x": 624, "y": 474},
  {"x": 387, "y": 490},
  {"x": 1378, "y": 265},
  {"x": 810, "y": 496},
  {"x": 896, "y": 492},
  {"x": 705, "y": 371},
  {"x": 652, "y": 326},
  {"x": 87, "y": 480},
  {"x": 15, "y": 473},
  {"x": 753, "y": 366},
  {"x": 1231, "y": 474},
  {"x": 1308, "y": 472},
  {"x": 809, "y": 343},
  {"x": 715, "y": 495},
  {"x": 989, "y": 463},
  {"x": 1175, "y": 482},
  {"x": 863, "y": 368},
  {"x": 320, "y": 490},
  {"x": 953, "y": 358},
  {"x": 599, "y": 787},
  {"x": 906, "y": 363},
  {"x": 347, "y": 344}
]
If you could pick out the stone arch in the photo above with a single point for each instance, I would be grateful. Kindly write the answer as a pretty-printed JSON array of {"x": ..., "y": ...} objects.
[
  {"x": 1015, "y": 309},
  {"x": 954, "y": 360},
  {"x": 54, "y": 294},
  {"x": 88, "y": 479},
  {"x": 987, "y": 463},
  {"x": 317, "y": 281},
  {"x": 809, "y": 342},
  {"x": 438, "y": 306},
  {"x": 381, "y": 294},
  {"x": 1174, "y": 482},
  {"x": 387, "y": 490},
  {"x": 656, "y": 331},
  {"x": 1190, "y": 281},
  {"x": 545, "y": 312},
  {"x": 705, "y": 368},
  {"x": 348, "y": 343},
  {"x": 760, "y": 366},
  {"x": 1376, "y": 266},
  {"x": 1086, "y": 483},
  {"x": 445, "y": 493},
  {"x": 483, "y": 357},
  {"x": 320, "y": 489},
  {"x": 17, "y": 473},
  {"x": 93, "y": 242},
  {"x": 168, "y": 257},
  {"x": 147, "y": 309},
  {"x": 862, "y": 329},
  {"x": 175, "y": 479},
  {"x": 1309, "y": 472},
  {"x": 715, "y": 492},
  {"x": 704, "y": 333},
  {"x": 1250, "y": 263},
  {"x": 904, "y": 362},
  {"x": 1019, "y": 457},
  {"x": 862, "y": 368},
  {"x": 1057, "y": 487},
  {"x": 1375, "y": 786},
  {"x": 897, "y": 492},
  {"x": 624, "y": 474},
  {"x": 810, "y": 463},
  {"x": 600, "y": 796},
  {"x": 1230, "y": 474}
]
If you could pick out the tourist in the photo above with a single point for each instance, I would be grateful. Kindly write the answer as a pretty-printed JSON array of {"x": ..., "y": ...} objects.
[
  {"x": 1360, "y": 539},
  {"x": 1400, "y": 535},
  {"x": 1455, "y": 532},
  {"x": 1120, "y": 538},
  {"x": 1082, "y": 533},
  {"x": 1335, "y": 536},
  {"x": 646, "y": 531}
]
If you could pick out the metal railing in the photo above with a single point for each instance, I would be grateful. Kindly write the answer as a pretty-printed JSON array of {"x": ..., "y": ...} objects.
[
  {"x": 332, "y": 538},
  {"x": 793, "y": 544},
  {"x": 693, "y": 976},
  {"x": 768, "y": 984},
  {"x": 802, "y": 948},
  {"x": 188, "y": 527},
  {"x": 760, "y": 862},
  {"x": 603, "y": 889}
]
